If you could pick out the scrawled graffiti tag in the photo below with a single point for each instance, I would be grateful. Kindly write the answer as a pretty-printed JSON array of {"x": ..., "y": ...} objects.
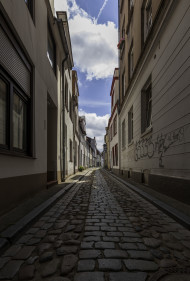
[
  {"x": 144, "y": 148},
  {"x": 147, "y": 147}
]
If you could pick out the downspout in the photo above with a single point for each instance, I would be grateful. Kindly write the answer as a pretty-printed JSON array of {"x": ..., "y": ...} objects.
[{"x": 62, "y": 122}]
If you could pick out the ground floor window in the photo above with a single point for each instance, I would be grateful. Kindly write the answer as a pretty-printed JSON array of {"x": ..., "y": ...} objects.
[{"x": 14, "y": 112}]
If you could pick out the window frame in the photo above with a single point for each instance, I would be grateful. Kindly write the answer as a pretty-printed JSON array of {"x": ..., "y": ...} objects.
[
  {"x": 146, "y": 106},
  {"x": 131, "y": 61},
  {"x": 71, "y": 150},
  {"x": 30, "y": 6},
  {"x": 123, "y": 84},
  {"x": 123, "y": 127},
  {"x": 13, "y": 88},
  {"x": 130, "y": 125},
  {"x": 51, "y": 37}
]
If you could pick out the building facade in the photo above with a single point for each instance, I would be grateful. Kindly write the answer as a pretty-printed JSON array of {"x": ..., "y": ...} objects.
[
  {"x": 113, "y": 123},
  {"x": 154, "y": 94}
]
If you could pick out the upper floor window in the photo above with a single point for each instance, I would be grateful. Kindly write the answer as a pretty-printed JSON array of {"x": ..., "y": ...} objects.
[
  {"x": 30, "y": 5},
  {"x": 115, "y": 125},
  {"x": 131, "y": 60},
  {"x": 71, "y": 151},
  {"x": 70, "y": 107},
  {"x": 66, "y": 93},
  {"x": 123, "y": 134},
  {"x": 130, "y": 8},
  {"x": 51, "y": 51},
  {"x": 146, "y": 106},
  {"x": 146, "y": 19},
  {"x": 123, "y": 84},
  {"x": 15, "y": 97},
  {"x": 148, "y": 15},
  {"x": 130, "y": 125}
]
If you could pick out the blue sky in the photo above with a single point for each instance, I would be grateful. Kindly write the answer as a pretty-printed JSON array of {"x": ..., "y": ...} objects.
[{"x": 94, "y": 37}]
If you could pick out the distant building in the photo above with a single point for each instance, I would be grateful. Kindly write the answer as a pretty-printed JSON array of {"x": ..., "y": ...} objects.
[
  {"x": 154, "y": 94},
  {"x": 114, "y": 122},
  {"x": 107, "y": 149}
]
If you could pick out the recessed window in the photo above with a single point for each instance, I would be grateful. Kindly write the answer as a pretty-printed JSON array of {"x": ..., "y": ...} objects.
[
  {"x": 146, "y": 106},
  {"x": 146, "y": 20},
  {"x": 19, "y": 122},
  {"x": 131, "y": 61},
  {"x": 71, "y": 151},
  {"x": 123, "y": 134},
  {"x": 66, "y": 93},
  {"x": 3, "y": 111},
  {"x": 123, "y": 85},
  {"x": 130, "y": 125},
  {"x": 115, "y": 125},
  {"x": 30, "y": 5},
  {"x": 51, "y": 51},
  {"x": 13, "y": 116},
  {"x": 15, "y": 97}
]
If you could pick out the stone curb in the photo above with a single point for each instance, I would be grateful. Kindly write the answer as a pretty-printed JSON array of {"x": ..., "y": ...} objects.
[
  {"x": 8, "y": 235},
  {"x": 172, "y": 212}
]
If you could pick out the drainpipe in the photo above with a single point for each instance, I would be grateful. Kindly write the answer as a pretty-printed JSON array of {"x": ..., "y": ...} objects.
[{"x": 62, "y": 123}]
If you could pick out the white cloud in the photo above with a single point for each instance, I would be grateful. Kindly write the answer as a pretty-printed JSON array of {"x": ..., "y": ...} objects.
[
  {"x": 94, "y": 45},
  {"x": 95, "y": 126}
]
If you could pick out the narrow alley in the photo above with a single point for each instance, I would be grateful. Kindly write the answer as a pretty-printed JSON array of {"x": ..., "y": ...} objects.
[{"x": 100, "y": 230}]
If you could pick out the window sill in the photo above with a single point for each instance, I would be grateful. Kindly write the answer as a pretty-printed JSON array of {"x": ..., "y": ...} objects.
[
  {"x": 147, "y": 131},
  {"x": 16, "y": 154},
  {"x": 131, "y": 143}
]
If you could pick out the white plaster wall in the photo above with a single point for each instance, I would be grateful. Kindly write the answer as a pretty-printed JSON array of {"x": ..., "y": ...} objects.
[
  {"x": 169, "y": 65},
  {"x": 34, "y": 41}
]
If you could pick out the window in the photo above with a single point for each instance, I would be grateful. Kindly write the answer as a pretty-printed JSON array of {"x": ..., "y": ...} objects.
[
  {"x": 13, "y": 116},
  {"x": 113, "y": 156},
  {"x": 131, "y": 61},
  {"x": 123, "y": 134},
  {"x": 115, "y": 125},
  {"x": 15, "y": 96},
  {"x": 19, "y": 122},
  {"x": 123, "y": 84},
  {"x": 66, "y": 93},
  {"x": 30, "y": 4},
  {"x": 71, "y": 151},
  {"x": 130, "y": 125},
  {"x": 51, "y": 51},
  {"x": 130, "y": 4},
  {"x": 116, "y": 155},
  {"x": 3, "y": 111},
  {"x": 123, "y": 29},
  {"x": 146, "y": 19},
  {"x": 148, "y": 15},
  {"x": 70, "y": 107},
  {"x": 146, "y": 106}
]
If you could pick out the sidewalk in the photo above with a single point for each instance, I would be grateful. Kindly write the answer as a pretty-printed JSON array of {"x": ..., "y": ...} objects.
[
  {"x": 176, "y": 209},
  {"x": 17, "y": 219}
]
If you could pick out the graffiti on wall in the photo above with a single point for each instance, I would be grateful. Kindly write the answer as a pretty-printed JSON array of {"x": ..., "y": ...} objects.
[{"x": 147, "y": 147}]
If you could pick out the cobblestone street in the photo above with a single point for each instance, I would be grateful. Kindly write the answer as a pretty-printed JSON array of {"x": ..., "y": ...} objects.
[{"x": 100, "y": 231}]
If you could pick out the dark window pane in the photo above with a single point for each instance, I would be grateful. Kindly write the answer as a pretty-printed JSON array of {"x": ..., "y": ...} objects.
[
  {"x": 3, "y": 111},
  {"x": 19, "y": 122}
]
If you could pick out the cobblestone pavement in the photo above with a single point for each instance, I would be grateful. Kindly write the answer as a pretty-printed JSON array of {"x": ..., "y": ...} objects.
[{"x": 100, "y": 231}]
